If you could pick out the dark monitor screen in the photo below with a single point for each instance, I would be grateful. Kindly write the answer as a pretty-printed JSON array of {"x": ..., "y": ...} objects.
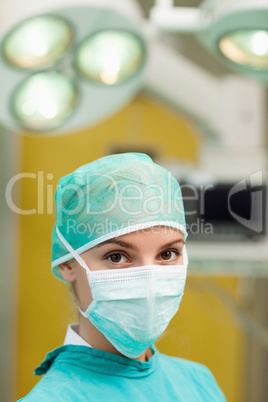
[
  {"x": 241, "y": 211},
  {"x": 217, "y": 208}
]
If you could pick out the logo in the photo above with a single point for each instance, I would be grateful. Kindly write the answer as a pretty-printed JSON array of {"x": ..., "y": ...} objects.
[{"x": 255, "y": 221}]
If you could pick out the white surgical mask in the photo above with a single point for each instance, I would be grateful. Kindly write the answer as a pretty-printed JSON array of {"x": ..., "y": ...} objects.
[{"x": 132, "y": 307}]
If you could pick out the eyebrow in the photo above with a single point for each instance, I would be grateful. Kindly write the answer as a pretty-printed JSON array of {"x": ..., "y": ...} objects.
[
  {"x": 130, "y": 246},
  {"x": 119, "y": 242},
  {"x": 172, "y": 243}
]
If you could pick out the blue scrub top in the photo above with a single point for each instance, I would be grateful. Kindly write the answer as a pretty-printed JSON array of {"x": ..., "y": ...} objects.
[{"x": 80, "y": 373}]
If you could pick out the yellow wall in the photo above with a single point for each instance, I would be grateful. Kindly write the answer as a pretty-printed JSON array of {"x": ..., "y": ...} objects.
[{"x": 44, "y": 307}]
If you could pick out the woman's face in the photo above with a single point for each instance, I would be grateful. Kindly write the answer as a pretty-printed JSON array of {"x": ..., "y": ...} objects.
[{"x": 158, "y": 245}]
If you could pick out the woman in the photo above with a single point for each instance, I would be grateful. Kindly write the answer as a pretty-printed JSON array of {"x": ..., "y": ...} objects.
[{"x": 119, "y": 242}]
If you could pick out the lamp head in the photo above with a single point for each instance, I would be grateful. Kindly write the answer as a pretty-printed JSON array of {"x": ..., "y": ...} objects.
[
  {"x": 237, "y": 33},
  {"x": 64, "y": 69}
]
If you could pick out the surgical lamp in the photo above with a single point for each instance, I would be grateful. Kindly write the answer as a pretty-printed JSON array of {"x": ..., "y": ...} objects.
[
  {"x": 64, "y": 67},
  {"x": 235, "y": 31}
]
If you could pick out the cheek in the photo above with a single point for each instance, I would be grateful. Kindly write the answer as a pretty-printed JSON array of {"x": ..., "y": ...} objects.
[
  {"x": 94, "y": 260},
  {"x": 83, "y": 289}
]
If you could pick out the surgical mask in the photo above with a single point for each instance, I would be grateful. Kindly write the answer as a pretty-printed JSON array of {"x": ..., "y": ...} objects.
[{"x": 132, "y": 307}]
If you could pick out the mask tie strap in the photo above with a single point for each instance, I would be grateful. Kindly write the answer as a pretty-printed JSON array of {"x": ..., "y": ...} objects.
[
  {"x": 76, "y": 256},
  {"x": 72, "y": 251}
]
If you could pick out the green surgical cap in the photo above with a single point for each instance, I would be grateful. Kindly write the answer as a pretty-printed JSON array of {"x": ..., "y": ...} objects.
[{"x": 112, "y": 196}]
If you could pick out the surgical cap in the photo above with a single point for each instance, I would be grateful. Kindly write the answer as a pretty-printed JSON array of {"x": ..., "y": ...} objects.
[{"x": 112, "y": 196}]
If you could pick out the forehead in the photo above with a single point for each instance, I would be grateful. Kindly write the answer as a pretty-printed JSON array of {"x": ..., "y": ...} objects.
[{"x": 155, "y": 234}]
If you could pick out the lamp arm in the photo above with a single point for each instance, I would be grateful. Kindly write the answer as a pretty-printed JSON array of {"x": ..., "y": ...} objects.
[
  {"x": 230, "y": 110},
  {"x": 182, "y": 84}
]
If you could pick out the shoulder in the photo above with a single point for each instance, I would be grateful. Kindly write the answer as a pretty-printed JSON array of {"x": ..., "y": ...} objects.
[
  {"x": 51, "y": 387},
  {"x": 188, "y": 367},
  {"x": 195, "y": 375},
  {"x": 60, "y": 381}
]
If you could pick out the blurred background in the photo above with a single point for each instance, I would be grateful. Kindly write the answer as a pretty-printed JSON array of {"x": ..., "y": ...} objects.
[{"x": 184, "y": 82}]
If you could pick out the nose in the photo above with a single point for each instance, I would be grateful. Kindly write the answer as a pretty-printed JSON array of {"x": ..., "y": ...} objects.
[
  {"x": 146, "y": 261},
  {"x": 145, "y": 258}
]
